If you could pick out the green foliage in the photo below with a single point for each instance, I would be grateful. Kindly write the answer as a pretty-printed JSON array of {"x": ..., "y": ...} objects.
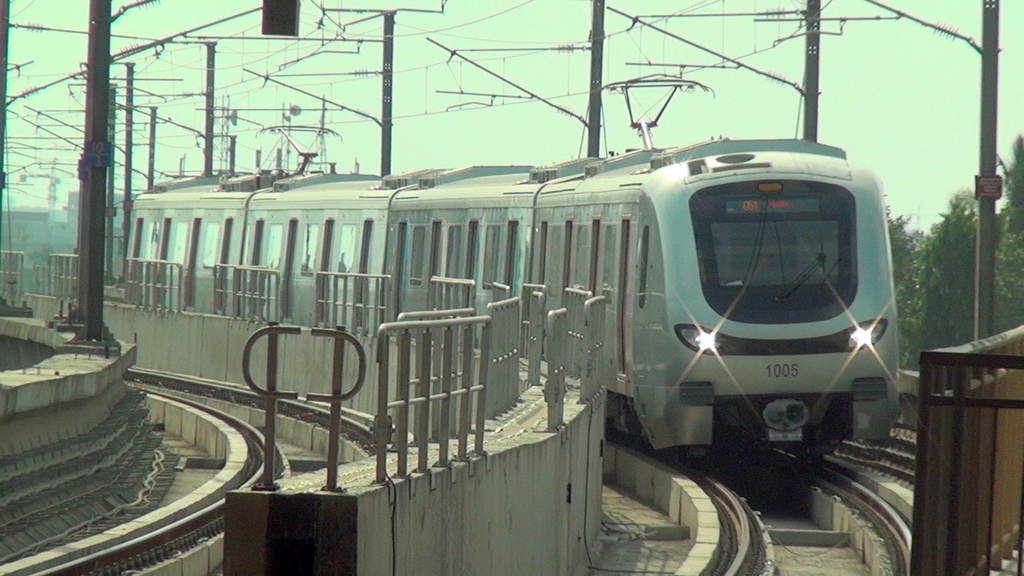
[
  {"x": 1015, "y": 189},
  {"x": 1009, "y": 311},
  {"x": 906, "y": 249},
  {"x": 942, "y": 312}
]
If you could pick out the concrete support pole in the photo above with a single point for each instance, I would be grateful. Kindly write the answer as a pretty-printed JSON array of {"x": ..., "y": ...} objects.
[
  {"x": 596, "y": 72},
  {"x": 812, "y": 69},
  {"x": 129, "y": 126},
  {"x": 96, "y": 158},
  {"x": 386, "y": 93},
  {"x": 985, "y": 276},
  {"x": 211, "y": 77}
]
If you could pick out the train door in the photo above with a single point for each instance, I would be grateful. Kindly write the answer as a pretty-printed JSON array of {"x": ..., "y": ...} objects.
[
  {"x": 596, "y": 262},
  {"x": 220, "y": 267},
  {"x": 512, "y": 256},
  {"x": 398, "y": 278},
  {"x": 624, "y": 319}
]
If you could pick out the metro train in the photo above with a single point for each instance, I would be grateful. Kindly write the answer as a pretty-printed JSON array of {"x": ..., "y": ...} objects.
[{"x": 748, "y": 282}]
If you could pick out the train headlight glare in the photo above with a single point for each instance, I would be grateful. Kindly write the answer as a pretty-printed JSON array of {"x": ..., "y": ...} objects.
[
  {"x": 698, "y": 339},
  {"x": 868, "y": 333}
]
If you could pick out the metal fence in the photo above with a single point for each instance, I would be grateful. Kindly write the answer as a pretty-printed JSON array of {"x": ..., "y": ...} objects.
[
  {"x": 356, "y": 301},
  {"x": 63, "y": 280},
  {"x": 12, "y": 271},
  {"x": 970, "y": 458},
  {"x": 446, "y": 293},
  {"x": 249, "y": 292},
  {"x": 154, "y": 284},
  {"x": 412, "y": 371}
]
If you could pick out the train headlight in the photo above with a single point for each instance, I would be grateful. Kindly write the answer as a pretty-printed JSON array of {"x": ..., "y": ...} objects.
[
  {"x": 868, "y": 333},
  {"x": 697, "y": 339}
]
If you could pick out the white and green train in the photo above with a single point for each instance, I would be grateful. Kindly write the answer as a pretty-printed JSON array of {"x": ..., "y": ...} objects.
[{"x": 748, "y": 283}]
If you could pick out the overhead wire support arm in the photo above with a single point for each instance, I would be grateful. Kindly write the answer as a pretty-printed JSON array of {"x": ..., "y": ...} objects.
[
  {"x": 940, "y": 28},
  {"x": 770, "y": 75},
  {"x": 453, "y": 54},
  {"x": 267, "y": 78}
]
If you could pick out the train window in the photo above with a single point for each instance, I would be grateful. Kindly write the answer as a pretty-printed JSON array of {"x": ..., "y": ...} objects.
[
  {"x": 435, "y": 249},
  {"x": 178, "y": 242},
  {"x": 347, "y": 248},
  {"x": 542, "y": 254},
  {"x": 137, "y": 244},
  {"x": 160, "y": 242},
  {"x": 453, "y": 253},
  {"x": 289, "y": 267},
  {"x": 272, "y": 258},
  {"x": 257, "y": 244},
  {"x": 225, "y": 243},
  {"x": 644, "y": 246},
  {"x": 512, "y": 253},
  {"x": 309, "y": 246},
  {"x": 609, "y": 258},
  {"x": 416, "y": 260},
  {"x": 193, "y": 255},
  {"x": 365, "y": 252},
  {"x": 472, "y": 240},
  {"x": 567, "y": 255},
  {"x": 492, "y": 254},
  {"x": 325, "y": 253},
  {"x": 595, "y": 256},
  {"x": 403, "y": 231},
  {"x": 624, "y": 267},
  {"x": 580, "y": 277},
  {"x": 211, "y": 240}
]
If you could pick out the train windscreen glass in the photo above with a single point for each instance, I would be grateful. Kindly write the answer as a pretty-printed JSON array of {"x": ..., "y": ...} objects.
[{"x": 782, "y": 257}]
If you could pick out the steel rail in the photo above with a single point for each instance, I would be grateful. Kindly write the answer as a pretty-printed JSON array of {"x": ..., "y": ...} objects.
[{"x": 153, "y": 547}]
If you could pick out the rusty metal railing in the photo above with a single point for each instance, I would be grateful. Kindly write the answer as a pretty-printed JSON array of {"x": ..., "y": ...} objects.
[
  {"x": 12, "y": 271},
  {"x": 271, "y": 394},
  {"x": 970, "y": 458},
  {"x": 356, "y": 301},
  {"x": 249, "y": 292},
  {"x": 154, "y": 283}
]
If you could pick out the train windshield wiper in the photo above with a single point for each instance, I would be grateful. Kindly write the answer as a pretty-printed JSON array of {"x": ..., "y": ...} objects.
[{"x": 819, "y": 261}]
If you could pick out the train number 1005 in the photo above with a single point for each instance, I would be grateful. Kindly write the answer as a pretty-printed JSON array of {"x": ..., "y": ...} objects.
[{"x": 782, "y": 370}]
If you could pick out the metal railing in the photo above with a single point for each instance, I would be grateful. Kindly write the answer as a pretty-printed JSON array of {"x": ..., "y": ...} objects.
[
  {"x": 556, "y": 346},
  {"x": 503, "y": 353},
  {"x": 154, "y": 283},
  {"x": 458, "y": 379},
  {"x": 356, "y": 301},
  {"x": 249, "y": 292},
  {"x": 574, "y": 300},
  {"x": 63, "y": 283},
  {"x": 595, "y": 367},
  {"x": 970, "y": 465},
  {"x": 12, "y": 270},
  {"x": 446, "y": 293}
]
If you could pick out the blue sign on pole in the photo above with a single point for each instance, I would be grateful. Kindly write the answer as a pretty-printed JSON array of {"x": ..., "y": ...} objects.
[{"x": 96, "y": 154}]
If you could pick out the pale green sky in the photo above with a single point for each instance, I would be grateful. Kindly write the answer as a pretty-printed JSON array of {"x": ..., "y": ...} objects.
[{"x": 898, "y": 97}]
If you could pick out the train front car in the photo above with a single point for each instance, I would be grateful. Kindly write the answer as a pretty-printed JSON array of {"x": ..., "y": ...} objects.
[{"x": 778, "y": 319}]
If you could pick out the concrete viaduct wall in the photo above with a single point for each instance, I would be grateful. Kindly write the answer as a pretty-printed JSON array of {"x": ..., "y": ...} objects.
[{"x": 531, "y": 506}]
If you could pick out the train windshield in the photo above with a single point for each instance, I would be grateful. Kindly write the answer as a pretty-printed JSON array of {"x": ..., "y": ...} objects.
[{"x": 783, "y": 257}]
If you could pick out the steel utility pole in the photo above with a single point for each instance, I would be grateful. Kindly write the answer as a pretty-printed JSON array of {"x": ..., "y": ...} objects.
[
  {"x": 129, "y": 126},
  {"x": 5, "y": 28},
  {"x": 812, "y": 69},
  {"x": 596, "y": 65},
  {"x": 96, "y": 157},
  {"x": 110, "y": 209},
  {"x": 386, "y": 93},
  {"x": 151, "y": 163},
  {"x": 989, "y": 187},
  {"x": 211, "y": 51}
]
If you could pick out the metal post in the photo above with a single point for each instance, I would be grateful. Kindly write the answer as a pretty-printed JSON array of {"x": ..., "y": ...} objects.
[
  {"x": 596, "y": 64},
  {"x": 211, "y": 52},
  {"x": 129, "y": 103},
  {"x": 5, "y": 27},
  {"x": 387, "y": 88},
  {"x": 151, "y": 167},
  {"x": 984, "y": 279},
  {"x": 96, "y": 156},
  {"x": 108, "y": 277},
  {"x": 812, "y": 70},
  {"x": 231, "y": 154}
]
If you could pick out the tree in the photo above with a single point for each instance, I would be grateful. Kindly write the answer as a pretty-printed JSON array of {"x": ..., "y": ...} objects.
[
  {"x": 906, "y": 246},
  {"x": 1015, "y": 189},
  {"x": 944, "y": 313}
]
